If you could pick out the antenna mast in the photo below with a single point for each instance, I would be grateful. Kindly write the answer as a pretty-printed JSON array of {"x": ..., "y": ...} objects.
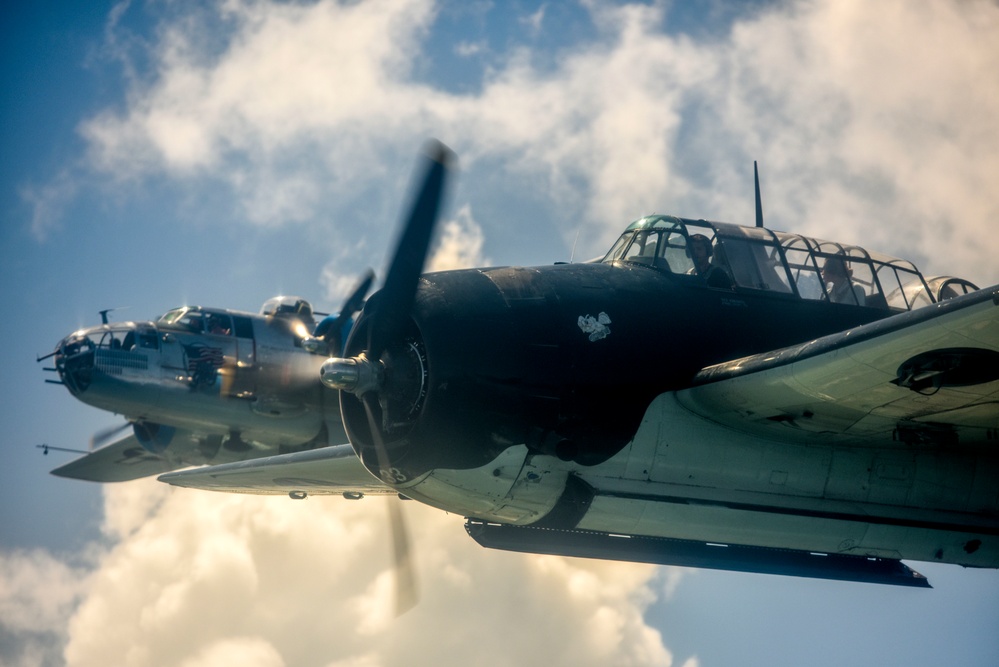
[{"x": 759, "y": 201}]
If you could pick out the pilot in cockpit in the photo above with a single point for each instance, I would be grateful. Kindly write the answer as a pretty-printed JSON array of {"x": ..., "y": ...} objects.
[
  {"x": 217, "y": 325},
  {"x": 700, "y": 251},
  {"x": 839, "y": 283}
]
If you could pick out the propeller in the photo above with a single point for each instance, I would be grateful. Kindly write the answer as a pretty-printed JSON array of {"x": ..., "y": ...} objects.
[
  {"x": 387, "y": 316},
  {"x": 406, "y": 594},
  {"x": 399, "y": 291},
  {"x": 331, "y": 331},
  {"x": 101, "y": 437}
]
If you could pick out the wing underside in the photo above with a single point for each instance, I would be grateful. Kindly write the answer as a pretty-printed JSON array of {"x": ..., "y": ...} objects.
[
  {"x": 332, "y": 470},
  {"x": 693, "y": 553},
  {"x": 927, "y": 377},
  {"x": 877, "y": 444},
  {"x": 119, "y": 461}
]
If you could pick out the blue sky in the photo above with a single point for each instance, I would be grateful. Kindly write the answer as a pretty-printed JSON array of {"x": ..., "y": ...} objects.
[{"x": 157, "y": 154}]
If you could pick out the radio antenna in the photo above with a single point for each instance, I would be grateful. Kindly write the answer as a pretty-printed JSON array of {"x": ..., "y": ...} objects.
[{"x": 759, "y": 200}]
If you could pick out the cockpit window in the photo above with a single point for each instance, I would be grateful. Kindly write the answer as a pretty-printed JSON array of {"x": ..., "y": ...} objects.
[
  {"x": 948, "y": 287},
  {"x": 171, "y": 316},
  {"x": 218, "y": 324},
  {"x": 654, "y": 241},
  {"x": 755, "y": 258},
  {"x": 904, "y": 287},
  {"x": 847, "y": 275},
  {"x": 182, "y": 319},
  {"x": 115, "y": 339}
]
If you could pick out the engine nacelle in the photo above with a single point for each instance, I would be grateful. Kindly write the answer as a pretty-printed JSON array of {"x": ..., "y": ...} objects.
[{"x": 494, "y": 358}]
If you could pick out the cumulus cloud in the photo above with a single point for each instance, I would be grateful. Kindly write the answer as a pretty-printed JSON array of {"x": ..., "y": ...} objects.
[
  {"x": 460, "y": 245},
  {"x": 202, "y": 578},
  {"x": 863, "y": 133},
  {"x": 289, "y": 108},
  {"x": 47, "y": 203},
  {"x": 37, "y": 593}
]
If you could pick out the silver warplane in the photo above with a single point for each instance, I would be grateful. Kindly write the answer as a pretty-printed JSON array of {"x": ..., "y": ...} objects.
[{"x": 202, "y": 385}]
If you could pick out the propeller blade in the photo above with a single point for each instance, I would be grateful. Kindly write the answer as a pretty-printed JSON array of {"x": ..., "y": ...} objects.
[
  {"x": 388, "y": 313},
  {"x": 406, "y": 594},
  {"x": 102, "y": 436},
  {"x": 332, "y": 333},
  {"x": 356, "y": 298},
  {"x": 395, "y": 301}
]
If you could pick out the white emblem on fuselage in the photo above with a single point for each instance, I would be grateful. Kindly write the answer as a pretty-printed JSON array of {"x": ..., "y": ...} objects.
[{"x": 595, "y": 326}]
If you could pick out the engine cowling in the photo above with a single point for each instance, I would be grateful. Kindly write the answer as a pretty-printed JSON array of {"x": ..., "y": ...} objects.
[{"x": 498, "y": 357}]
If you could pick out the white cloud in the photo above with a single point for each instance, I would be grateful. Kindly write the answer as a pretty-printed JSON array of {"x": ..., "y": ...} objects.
[
  {"x": 37, "y": 594},
  {"x": 867, "y": 126},
  {"x": 244, "y": 651},
  {"x": 460, "y": 245},
  {"x": 863, "y": 132},
  {"x": 208, "y": 578},
  {"x": 337, "y": 284},
  {"x": 469, "y": 49},
  {"x": 48, "y": 201},
  {"x": 535, "y": 20},
  {"x": 290, "y": 74}
]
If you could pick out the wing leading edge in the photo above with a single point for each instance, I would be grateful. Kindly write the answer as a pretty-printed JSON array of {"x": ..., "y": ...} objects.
[
  {"x": 120, "y": 461},
  {"x": 332, "y": 470},
  {"x": 930, "y": 376}
]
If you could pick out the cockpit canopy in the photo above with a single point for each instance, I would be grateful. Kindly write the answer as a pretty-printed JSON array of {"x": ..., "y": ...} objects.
[{"x": 753, "y": 258}]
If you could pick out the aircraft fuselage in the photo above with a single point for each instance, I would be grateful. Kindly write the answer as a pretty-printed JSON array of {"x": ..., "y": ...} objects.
[
  {"x": 542, "y": 398},
  {"x": 522, "y": 356},
  {"x": 239, "y": 385}
]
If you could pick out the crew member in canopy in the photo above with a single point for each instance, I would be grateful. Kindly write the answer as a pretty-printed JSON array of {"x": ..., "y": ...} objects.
[
  {"x": 700, "y": 251},
  {"x": 839, "y": 284}
]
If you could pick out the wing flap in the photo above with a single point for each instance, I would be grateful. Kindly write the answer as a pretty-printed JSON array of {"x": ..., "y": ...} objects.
[
  {"x": 324, "y": 471},
  {"x": 932, "y": 372}
]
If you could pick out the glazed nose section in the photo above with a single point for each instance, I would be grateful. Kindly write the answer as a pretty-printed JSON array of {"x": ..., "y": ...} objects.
[{"x": 74, "y": 361}]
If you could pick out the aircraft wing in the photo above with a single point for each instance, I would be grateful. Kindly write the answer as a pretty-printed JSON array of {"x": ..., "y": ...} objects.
[
  {"x": 324, "y": 471},
  {"x": 930, "y": 376},
  {"x": 119, "y": 461}
]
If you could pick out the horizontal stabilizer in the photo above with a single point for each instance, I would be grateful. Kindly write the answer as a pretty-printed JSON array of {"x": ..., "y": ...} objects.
[
  {"x": 120, "y": 461},
  {"x": 324, "y": 471}
]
